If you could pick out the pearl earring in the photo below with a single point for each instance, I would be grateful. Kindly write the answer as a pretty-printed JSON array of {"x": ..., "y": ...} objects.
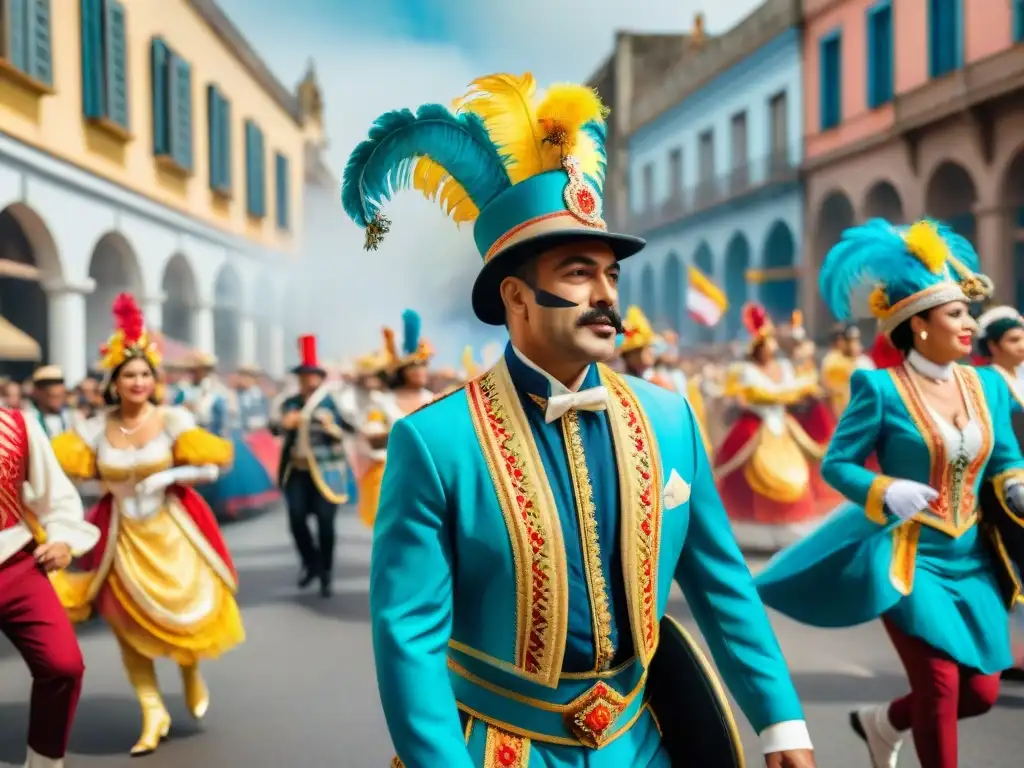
[{"x": 924, "y": 335}]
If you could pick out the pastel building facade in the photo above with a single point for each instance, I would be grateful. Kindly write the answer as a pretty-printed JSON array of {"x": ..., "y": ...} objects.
[
  {"x": 146, "y": 147},
  {"x": 915, "y": 108}
]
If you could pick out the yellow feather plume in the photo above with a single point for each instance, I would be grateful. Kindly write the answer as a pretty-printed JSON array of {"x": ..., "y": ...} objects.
[
  {"x": 468, "y": 364},
  {"x": 390, "y": 346},
  {"x": 926, "y": 244},
  {"x": 506, "y": 105},
  {"x": 437, "y": 184},
  {"x": 563, "y": 111}
]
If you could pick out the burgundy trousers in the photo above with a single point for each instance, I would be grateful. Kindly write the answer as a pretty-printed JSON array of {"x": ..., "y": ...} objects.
[
  {"x": 38, "y": 626},
  {"x": 941, "y": 692}
]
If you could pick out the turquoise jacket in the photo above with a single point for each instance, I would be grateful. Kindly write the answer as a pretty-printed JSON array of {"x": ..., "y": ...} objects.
[
  {"x": 506, "y": 588},
  {"x": 934, "y": 576}
]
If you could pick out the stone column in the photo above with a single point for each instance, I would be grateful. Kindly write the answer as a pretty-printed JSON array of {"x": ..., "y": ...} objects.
[
  {"x": 202, "y": 328},
  {"x": 153, "y": 310},
  {"x": 276, "y": 350},
  {"x": 247, "y": 340},
  {"x": 67, "y": 323},
  {"x": 995, "y": 249}
]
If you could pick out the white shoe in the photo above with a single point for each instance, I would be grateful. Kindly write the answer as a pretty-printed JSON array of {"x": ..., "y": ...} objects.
[
  {"x": 35, "y": 760},
  {"x": 884, "y": 742}
]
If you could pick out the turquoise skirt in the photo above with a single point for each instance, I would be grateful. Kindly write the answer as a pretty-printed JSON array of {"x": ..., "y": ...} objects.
[{"x": 838, "y": 576}]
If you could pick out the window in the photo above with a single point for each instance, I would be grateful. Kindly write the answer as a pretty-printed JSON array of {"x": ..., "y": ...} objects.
[
  {"x": 778, "y": 127},
  {"x": 675, "y": 173},
  {"x": 706, "y": 158},
  {"x": 830, "y": 63},
  {"x": 945, "y": 36},
  {"x": 172, "y": 106},
  {"x": 880, "y": 54},
  {"x": 25, "y": 42},
  {"x": 648, "y": 201},
  {"x": 255, "y": 171},
  {"x": 739, "y": 140},
  {"x": 219, "y": 116},
  {"x": 1018, "y": 21},
  {"x": 104, "y": 65},
  {"x": 283, "y": 188}
]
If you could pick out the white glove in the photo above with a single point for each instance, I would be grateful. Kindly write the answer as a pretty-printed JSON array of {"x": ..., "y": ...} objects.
[
  {"x": 905, "y": 498},
  {"x": 1015, "y": 497},
  {"x": 162, "y": 480}
]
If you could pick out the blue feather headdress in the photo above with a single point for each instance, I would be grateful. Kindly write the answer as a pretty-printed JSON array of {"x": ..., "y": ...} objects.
[
  {"x": 496, "y": 136},
  {"x": 892, "y": 273},
  {"x": 414, "y": 349}
]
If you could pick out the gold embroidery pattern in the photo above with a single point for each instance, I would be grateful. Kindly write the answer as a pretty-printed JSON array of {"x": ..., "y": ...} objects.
[
  {"x": 528, "y": 506},
  {"x": 640, "y": 483},
  {"x": 601, "y": 617},
  {"x": 593, "y": 715},
  {"x": 503, "y": 750},
  {"x": 956, "y": 508}
]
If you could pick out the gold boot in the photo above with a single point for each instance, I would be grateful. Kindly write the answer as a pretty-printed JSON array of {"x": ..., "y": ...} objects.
[
  {"x": 197, "y": 695},
  {"x": 156, "y": 720}
]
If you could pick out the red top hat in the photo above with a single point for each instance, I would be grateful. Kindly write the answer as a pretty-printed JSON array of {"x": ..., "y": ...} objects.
[{"x": 308, "y": 362}]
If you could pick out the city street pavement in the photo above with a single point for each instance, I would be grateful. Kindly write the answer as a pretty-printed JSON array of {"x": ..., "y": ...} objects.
[{"x": 301, "y": 692}]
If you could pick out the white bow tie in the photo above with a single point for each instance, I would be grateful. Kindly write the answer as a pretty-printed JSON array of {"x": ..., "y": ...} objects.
[{"x": 593, "y": 399}]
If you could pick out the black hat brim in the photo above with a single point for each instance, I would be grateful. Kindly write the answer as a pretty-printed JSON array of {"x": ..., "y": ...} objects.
[
  {"x": 487, "y": 305},
  {"x": 301, "y": 369}
]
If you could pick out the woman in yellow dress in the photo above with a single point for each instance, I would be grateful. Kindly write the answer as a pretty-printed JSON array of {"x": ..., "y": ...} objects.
[
  {"x": 161, "y": 575},
  {"x": 406, "y": 368}
]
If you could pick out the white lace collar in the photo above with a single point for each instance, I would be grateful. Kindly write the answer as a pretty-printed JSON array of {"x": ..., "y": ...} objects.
[{"x": 927, "y": 368}]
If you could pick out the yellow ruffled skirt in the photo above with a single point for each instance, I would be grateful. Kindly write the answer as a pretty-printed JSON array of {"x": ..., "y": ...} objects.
[
  {"x": 164, "y": 593},
  {"x": 369, "y": 492}
]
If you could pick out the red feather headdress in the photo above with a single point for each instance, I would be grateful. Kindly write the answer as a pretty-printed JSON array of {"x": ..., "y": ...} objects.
[
  {"x": 130, "y": 338},
  {"x": 757, "y": 323}
]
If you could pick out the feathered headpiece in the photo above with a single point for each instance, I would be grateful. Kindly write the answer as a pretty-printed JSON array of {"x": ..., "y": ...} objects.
[
  {"x": 130, "y": 339},
  {"x": 637, "y": 331},
  {"x": 522, "y": 168},
  {"x": 371, "y": 364},
  {"x": 797, "y": 329},
  {"x": 893, "y": 273},
  {"x": 414, "y": 350},
  {"x": 758, "y": 324}
]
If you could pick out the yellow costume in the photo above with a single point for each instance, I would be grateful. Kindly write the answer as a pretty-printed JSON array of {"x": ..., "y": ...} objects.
[{"x": 161, "y": 577}]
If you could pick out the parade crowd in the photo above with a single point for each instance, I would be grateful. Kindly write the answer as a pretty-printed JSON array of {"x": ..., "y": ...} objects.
[{"x": 532, "y": 510}]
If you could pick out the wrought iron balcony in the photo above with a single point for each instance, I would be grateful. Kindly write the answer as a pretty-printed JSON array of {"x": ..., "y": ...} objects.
[{"x": 746, "y": 179}]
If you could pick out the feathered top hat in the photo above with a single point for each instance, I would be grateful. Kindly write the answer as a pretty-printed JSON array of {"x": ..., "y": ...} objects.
[
  {"x": 527, "y": 170},
  {"x": 309, "y": 362},
  {"x": 757, "y": 323},
  {"x": 130, "y": 339},
  {"x": 994, "y": 322},
  {"x": 415, "y": 349},
  {"x": 893, "y": 273},
  {"x": 637, "y": 331}
]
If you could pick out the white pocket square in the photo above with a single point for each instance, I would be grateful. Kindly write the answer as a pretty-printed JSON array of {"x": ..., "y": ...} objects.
[{"x": 677, "y": 491}]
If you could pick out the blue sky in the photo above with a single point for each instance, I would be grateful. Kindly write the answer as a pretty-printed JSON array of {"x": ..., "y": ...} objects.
[{"x": 376, "y": 55}]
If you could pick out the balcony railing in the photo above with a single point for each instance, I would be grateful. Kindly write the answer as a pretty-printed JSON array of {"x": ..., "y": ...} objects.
[{"x": 777, "y": 168}]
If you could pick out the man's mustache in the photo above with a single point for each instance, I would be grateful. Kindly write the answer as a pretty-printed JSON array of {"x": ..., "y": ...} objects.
[{"x": 602, "y": 316}]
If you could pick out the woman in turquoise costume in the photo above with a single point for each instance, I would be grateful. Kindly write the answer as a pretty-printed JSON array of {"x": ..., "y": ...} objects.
[{"x": 907, "y": 548}]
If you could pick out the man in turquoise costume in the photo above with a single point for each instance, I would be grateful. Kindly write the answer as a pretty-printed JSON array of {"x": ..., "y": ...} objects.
[{"x": 531, "y": 523}]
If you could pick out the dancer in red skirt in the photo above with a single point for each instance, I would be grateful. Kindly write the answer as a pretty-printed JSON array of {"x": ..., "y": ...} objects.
[{"x": 42, "y": 527}]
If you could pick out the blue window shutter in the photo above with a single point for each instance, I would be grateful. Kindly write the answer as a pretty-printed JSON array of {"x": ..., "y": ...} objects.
[
  {"x": 213, "y": 137},
  {"x": 40, "y": 54},
  {"x": 873, "y": 62},
  {"x": 17, "y": 33},
  {"x": 224, "y": 130},
  {"x": 281, "y": 173},
  {"x": 181, "y": 112},
  {"x": 117, "y": 64},
  {"x": 160, "y": 55},
  {"x": 830, "y": 66},
  {"x": 261, "y": 175},
  {"x": 93, "y": 99},
  {"x": 1018, "y": 21},
  {"x": 251, "y": 188}
]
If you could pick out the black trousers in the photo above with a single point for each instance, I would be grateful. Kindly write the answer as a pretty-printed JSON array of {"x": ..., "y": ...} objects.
[{"x": 305, "y": 501}]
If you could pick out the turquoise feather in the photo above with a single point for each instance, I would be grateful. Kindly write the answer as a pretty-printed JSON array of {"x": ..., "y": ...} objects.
[
  {"x": 598, "y": 131},
  {"x": 412, "y": 328},
  {"x": 384, "y": 163}
]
